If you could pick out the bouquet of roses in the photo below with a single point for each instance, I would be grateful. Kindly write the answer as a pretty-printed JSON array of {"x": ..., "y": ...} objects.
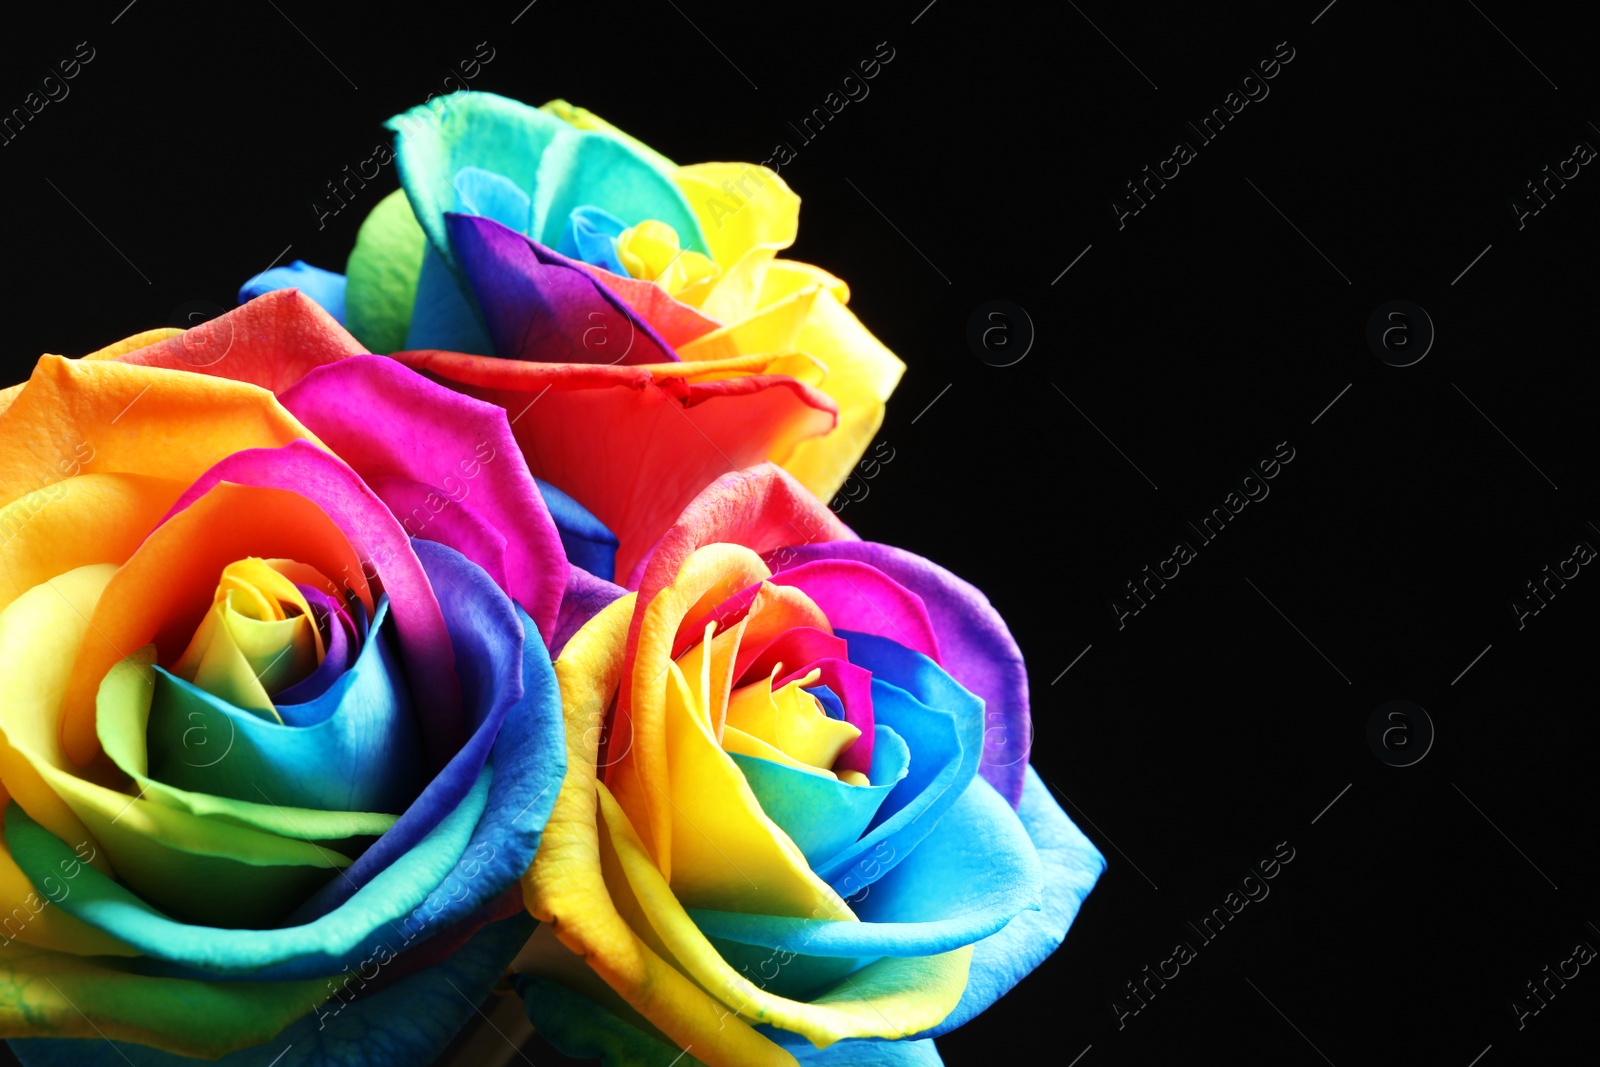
[{"x": 471, "y": 619}]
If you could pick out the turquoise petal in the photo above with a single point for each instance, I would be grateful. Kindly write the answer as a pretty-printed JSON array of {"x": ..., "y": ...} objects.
[
  {"x": 361, "y": 752},
  {"x": 1071, "y": 866},
  {"x": 561, "y": 168},
  {"x": 969, "y": 878},
  {"x": 410, "y": 1022},
  {"x": 582, "y": 1029},
  {"x": 824, "y": 816},
  {"x": 333, "y": 944}
]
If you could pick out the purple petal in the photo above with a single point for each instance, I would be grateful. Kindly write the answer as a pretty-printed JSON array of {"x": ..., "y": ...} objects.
[
  {"x": 542, "y": 307},
  {"x": 975, "y": 647}
]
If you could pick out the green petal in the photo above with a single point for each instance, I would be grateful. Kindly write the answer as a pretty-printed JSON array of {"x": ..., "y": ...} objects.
[
  {"x": 45, "y": 990},
  {"x": 582, "y": 1029},
  {"x": 122, "y": 717},
  {"x": 382, "y": 270}
]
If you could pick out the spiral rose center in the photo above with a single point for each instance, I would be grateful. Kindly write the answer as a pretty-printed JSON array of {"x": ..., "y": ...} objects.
[{"x": 258, "y": 638}]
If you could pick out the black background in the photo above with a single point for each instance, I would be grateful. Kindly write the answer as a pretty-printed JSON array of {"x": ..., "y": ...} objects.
[{"x": 1220, "y": 320}]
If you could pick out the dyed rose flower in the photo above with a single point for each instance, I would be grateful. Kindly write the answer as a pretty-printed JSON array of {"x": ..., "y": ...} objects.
[
  {"x": 540, "y": 256},
  {"x": 279, "y": 731},
  {"x": 797, "y": 824}
]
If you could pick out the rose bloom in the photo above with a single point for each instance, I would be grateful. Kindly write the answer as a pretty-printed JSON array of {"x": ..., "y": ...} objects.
[
  {"x": 543, "y": 260},
  {"x": 798, "y": 824},
  {"x": 279, "y": 730}
]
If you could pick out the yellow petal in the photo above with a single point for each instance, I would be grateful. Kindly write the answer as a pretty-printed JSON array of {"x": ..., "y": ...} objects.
[
  {"x": 711, "y": 574},
  {"x": 565, "y": 887},
  {"x": 727, "y": 855},
  {"x": 861, "y": 375},
  {"x": 892, "y": 998},
  {"x": 92, "y": 518},
  {"x": 777, "y": 328},
  {"x": 740, "y": 206},
  {"x": 790, "y": 720}
]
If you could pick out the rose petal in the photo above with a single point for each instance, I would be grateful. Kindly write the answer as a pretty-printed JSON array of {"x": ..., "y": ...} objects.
[
  {"x": 538, "y": 305},
  {"x": 207, "y": 1019},
  {"x": 273, "y": 341},
  {"x": 164, "y": 590},
  {"x": 1071, "y": 866},
  {"x": 587, "y": 542},
  {"x": 586, "y": 597},
  {"x": 822, "y": 816},
  {"x": 559, "y": 166},
  {"x": 100, "y": 417},
  {"x": 857, "y": 596},
  {"x": 964, "y": 882},
  {"x": 942, "y": 724},
  {"x": 566, "y": 890},
  {"x": 382, "y": 271},
  {"x": 463, "y": 448},
  {"x": 975, "y": 647},
  {"x": 364, "y": 755},
  {"x": 333, "y": 487},
  {"x": 324, "y": 286},
  {"x": 669, "y": 430},
  {"x": 410, "y": 1022}
]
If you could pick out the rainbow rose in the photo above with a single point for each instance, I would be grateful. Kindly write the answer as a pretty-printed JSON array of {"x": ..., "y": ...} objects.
[
  {"x": 279, "y": 730},
  {"x": 541, "y": 256},
  {"x": 797, "y": 824}
]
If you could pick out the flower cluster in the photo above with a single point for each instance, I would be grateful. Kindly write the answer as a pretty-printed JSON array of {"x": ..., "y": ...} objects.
[{"x": 470, "y": 618}]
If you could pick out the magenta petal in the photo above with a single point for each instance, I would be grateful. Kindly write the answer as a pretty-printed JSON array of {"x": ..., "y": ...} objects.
[
  {"x": 424, "y": 513},
  {"x": 853, "y": 686},
  {"x": 409, "y": 427},
  {"x": 302, "y": 468},
  {"x": 976, "y": 648},
  {"x": 859, "y": 597},
  {"x": 799, "y": 644}
]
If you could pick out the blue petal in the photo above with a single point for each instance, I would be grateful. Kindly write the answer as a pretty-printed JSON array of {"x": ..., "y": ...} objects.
[
  {"x": 904, "y": 1053},
  {"x": 494, "y": 196},
  {"x": 354, "y": 748},
  {"x": 591, "y": 235},
  {"x": 582, "y": 1029},
  {"x": 323, "y": 286},
  {"x": 824, "y": 816},
  {"x": 487, "y": 633},
  {"x": 587, "y": 541},
  {"x": 410, "y": 1022},
  {"x": 942, "y": 724},
  {"x": 830, "y": 702},
  {"x": 963, "y": 883},
  {"x": 443, "y": 315},
  {"x": 1071, "y": 866}
]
